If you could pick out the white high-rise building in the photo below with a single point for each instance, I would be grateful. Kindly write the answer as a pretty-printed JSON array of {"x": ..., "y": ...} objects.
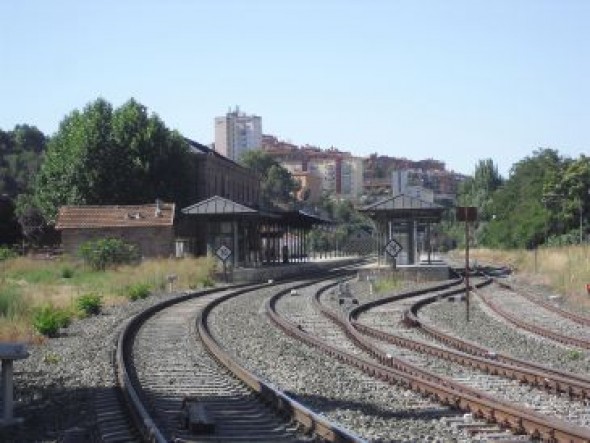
[{"x": 236, "y": 133}]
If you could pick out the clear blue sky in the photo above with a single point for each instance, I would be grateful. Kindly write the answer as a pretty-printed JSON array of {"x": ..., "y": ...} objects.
[{"x": 457, "y": 81}]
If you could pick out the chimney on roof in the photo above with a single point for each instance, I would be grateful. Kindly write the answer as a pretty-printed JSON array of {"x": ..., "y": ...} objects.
[{"x": 158, "y": 207}]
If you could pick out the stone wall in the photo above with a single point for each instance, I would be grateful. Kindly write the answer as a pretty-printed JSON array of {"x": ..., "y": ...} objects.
[{"x": 152, "y": 241}]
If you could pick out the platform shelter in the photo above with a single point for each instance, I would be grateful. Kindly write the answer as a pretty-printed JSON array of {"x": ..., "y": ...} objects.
[
  {"x": 406, "y": 219},
  {"x": 255, "y": 236}
]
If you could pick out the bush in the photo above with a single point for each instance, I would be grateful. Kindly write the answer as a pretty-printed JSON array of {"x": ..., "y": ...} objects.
[
  {"x": 47, "y": 320},
  {"x": 67, "y": 272},
  {"x": 89, "y": 304},
  {"x": 108, "y": 252},
  {"x": 138, "y": 291},
  {"x": 386, "y": 284},
  {"x": 208, "y": 282},
  {"x": 6, "y": 253}
]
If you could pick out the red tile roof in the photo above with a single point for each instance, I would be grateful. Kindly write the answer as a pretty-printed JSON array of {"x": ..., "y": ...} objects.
[{"x": 118, "y": 216}]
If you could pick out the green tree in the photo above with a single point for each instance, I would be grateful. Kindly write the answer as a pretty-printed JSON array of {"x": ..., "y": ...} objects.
[
  {"x": 21, "y": 153},
  {"x": 277, "y": 183},
  {"x": 573, "y": 185},
  {"x": 105, "y": 156},
  {"x": 519, "y": 215},
  {"x": 477, "y": 190}
]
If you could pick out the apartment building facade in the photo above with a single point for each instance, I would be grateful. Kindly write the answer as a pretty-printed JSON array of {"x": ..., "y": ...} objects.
[
  {"x": 335, "y": 172},
  {"x": 236, "y": 133}
]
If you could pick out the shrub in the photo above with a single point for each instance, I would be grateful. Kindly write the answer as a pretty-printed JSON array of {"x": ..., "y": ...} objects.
[
  {"x": 108, "y": 252},
  {"x": 51, "y": 358},
  {"x": 208, "y": 282},
  {"x": 138, "y": 291},
  {"x": 47, "y": 320},
  {"x": 574, "y": 354},
  {"x": 89, "y": 304},
  {"x": 6, "y": 253},
  {"x": 67, "y": 272},
  {"x": 387, "y": 284}
]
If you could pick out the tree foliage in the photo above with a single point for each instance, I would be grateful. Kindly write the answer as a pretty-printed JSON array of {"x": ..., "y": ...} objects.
[
  {"x": 478, "y": 190},
  {"x": 542, "y": 201},
  {"x": 277, "y": 183},
  {"x": 21, "y": 153},
  {"x": 105, "y": 156},
  {"x": 351, "y": 231}
]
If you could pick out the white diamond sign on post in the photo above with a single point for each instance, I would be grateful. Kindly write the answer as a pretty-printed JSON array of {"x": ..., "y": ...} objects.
[
  {"x": 393, "y": 248},
  {"x": 223, "y": 252}
]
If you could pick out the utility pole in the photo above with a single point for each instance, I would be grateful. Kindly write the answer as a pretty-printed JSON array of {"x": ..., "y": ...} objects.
[{"x": 466, "y": 214}]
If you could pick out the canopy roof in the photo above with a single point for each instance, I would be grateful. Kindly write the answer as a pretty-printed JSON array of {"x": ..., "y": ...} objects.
[
  {"x": 404, "y": 207},
  {"x": 224, "y": 209},
  {"x": 218, "y": 206}
]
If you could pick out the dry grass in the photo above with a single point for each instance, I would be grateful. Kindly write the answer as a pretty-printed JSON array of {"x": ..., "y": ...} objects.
[
  {"x": 565, "y": 269},
  {"x": 28, "y": 284}
]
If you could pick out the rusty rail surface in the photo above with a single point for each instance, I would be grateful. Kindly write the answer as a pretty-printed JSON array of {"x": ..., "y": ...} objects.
[
  {"x": 446, "y": 391},
  {"x": 576, "y": 318},
  {"x": 544, "y": 332},
  {"x": 473, "y": 355}
]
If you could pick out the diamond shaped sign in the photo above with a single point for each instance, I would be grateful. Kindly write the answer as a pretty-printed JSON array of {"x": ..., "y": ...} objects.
[
  {"x": 223, "y": 252},
  {"x": 393, "y": 248}
]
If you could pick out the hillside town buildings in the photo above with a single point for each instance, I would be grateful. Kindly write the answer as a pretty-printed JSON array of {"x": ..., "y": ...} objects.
[{"x": 337, "y": 173}]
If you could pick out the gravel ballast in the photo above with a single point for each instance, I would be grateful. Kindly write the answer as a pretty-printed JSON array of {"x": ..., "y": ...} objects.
[{"x": 56, "y": 385}]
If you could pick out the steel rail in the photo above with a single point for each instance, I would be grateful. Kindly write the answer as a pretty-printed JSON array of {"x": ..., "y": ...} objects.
[
  {"x": 128, "y": 383},
  {"x": 576, "y": 318},
  {"x": 475, "y": 356},
  {"x": 310, "y": 421},
  {"x": 444, "y": 390},
  {"x": 567, "y": 382},
  {"x": 126, "y": 378},
  {"x": 544, "y": 332}
]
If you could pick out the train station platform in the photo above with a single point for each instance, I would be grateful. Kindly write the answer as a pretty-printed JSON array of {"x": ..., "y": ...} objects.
[
  {"x": 281, "y": 271},
  {"x": 436, "y": 270}
]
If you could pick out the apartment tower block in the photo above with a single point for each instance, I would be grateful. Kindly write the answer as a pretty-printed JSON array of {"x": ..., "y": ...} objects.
[{"x": 236, "y": 133}]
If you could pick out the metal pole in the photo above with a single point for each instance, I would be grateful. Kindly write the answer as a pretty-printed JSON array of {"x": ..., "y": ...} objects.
[
  {"x": 467, "y": 270},
  {"x": 581, "y": 223},
  {"x": 7, "y": 391}
]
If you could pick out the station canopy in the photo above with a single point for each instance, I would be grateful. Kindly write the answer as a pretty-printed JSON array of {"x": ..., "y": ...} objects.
[
  {"x": 221, "y": 208},
  {"x": 404, "y": 207}
]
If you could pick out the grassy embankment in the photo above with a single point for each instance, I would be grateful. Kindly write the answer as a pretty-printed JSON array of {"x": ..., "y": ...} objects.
[
  {"x": 26, "y": 285},
  {"x": 565, "y": 269}
]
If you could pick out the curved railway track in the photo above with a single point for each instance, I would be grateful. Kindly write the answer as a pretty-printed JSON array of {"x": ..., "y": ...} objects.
[
  {"x": 471, "y": 354},
  {"x": 167, "y": 361},
  {"x": 171, "y": 366},
  {"x": 553, "y": 323},
  {"x": 447, "y": 391}
]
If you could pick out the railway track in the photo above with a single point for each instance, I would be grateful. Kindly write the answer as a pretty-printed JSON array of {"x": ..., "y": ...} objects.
[
  {"x": 182, "y": 386},
  {"x": 171, "y": 373},
  {"x": 297, "y": 317},
  {"x": 559, "y": 422},
  {"x": 542, "y": 318},
  {"x": 470, "y": 354}
]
